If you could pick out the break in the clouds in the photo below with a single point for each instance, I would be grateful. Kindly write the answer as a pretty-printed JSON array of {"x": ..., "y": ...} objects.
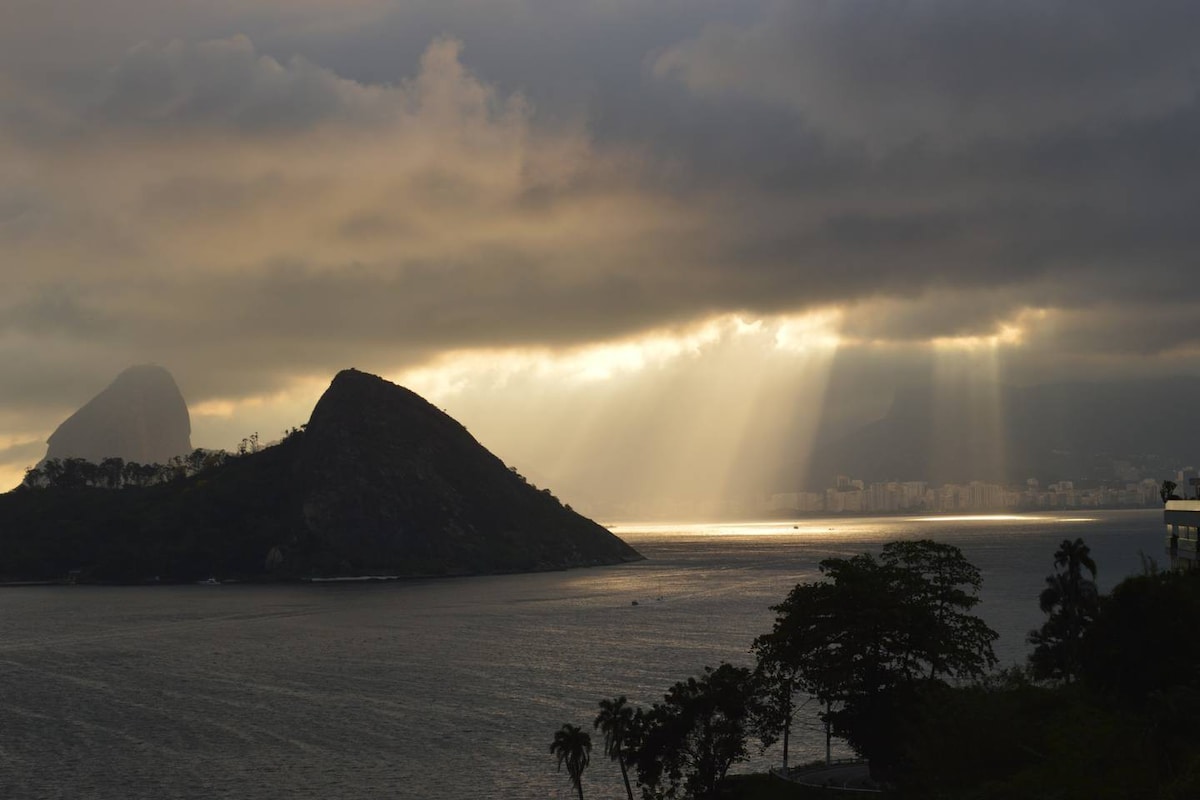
[{"x": 258, "y": 193}]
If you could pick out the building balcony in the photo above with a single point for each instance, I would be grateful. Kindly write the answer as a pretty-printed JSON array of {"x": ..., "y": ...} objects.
[
  {"x": 1183, "y": 529},
  {"x": 1182, "y": 512}
]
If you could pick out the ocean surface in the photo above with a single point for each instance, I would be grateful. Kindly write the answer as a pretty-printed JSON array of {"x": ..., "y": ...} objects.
[{"x": 440, "y": 688}]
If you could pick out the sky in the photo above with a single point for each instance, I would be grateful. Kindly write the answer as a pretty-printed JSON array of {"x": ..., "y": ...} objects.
[{"x": 637, "y": 248}]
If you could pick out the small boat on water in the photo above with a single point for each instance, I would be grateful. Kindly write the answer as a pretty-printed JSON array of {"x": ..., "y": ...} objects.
[{"x": 209, "y": 582}]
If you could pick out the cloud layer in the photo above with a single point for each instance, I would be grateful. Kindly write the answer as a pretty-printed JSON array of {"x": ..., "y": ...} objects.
[{"x": 256, "y": 194}]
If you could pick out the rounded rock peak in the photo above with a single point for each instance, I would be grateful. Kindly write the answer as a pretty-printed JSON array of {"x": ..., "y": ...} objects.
[{"x": 140, "y": 416}]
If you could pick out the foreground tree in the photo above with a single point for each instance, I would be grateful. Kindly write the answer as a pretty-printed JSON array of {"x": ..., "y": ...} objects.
[
  {"x": 1125, "y": 727},
  {"x": 572, "y": 746},
  {"x": 794, "y": 659},
  {"x": 939, "y": 587},
  {"x": 870, "y": 636},
  {"x": 689, "y": 741},
  {"x": 1072, "y": 602},
  {"x": 615, "y": 721},
  {"x": 1134, "y": 650}
]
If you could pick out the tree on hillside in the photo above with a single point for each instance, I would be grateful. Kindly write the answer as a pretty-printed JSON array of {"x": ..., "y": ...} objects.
[
  {"x": 112, "y": 471},
  {"x": 615, "y": 721},
  {"x": 689, "y": 741},
  {"x": 1071, "y": 601},
  {"x": 572, "y": 746},
  {"x": 793, "y": 659},
  {"x": 34, "y": 478},
  {"x": 1134, "y": 648},
  {"x": 940, "y": 588},
  {"x": 867, "y": 637}
]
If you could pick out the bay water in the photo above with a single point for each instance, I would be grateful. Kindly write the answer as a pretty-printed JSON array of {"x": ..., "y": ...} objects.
[{"x": 442, "y": 688}]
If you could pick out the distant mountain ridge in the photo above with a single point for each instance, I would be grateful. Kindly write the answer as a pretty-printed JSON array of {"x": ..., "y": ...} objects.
[
  {"x": 1072, "y": 430},
  {"x": 141, "y": 416},
  {"x": 379, "y": 482}
]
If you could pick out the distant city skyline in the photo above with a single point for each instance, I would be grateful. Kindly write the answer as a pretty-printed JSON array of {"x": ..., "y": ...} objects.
[
  {"x": 888, "y": 496},
  {"x": 855, "y": 496}
]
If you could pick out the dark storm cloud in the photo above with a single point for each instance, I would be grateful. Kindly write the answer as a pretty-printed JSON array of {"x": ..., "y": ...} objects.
[
  {"x": 307, "y": 185},
  {"x": 1124, "y": 328},
  {"x": 891, "y": 71},
  {"x": 227, "y": 82},
  {"x": 933, "y": 314},
  {"x": 56, "y": 310}
]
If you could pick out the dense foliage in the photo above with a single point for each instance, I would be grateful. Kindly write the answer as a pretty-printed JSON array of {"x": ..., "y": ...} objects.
[
  {"x": 1106, "y": 709},
  {"x": 887, "y": 644},
  {"x": 1072, "y": 602},
  {"x": 1142, "y": 644},
  {"x": 225, "y": 518},
  {"x": 864, "y": 640},
  {"x": 687, "y": 743},
  {"x": 1123, "y": 727}
]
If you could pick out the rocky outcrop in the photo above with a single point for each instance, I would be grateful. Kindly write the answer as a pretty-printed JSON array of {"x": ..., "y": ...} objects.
[
  {"x": 389, "y": 480},
  {"x": 141, "y": 417}
]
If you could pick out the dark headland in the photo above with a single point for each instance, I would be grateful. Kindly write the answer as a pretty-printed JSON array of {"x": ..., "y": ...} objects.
[{"x": 379, "y": 482}]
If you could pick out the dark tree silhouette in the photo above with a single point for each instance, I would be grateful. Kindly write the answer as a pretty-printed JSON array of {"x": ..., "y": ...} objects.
[
  {"x": 615, "y": 721},
  {"x": 941, "y": 586},
  {"x": 1071, "y": 601},
  {"x": 794, "y": 658},
  {"x": 1133, "y": 651},
  {"x": 869, "y": 636},
  {"x": 690, "y": 740},
  {"x": 572, "y": 746},
  {"x": 113, "y": 472},
  {"x": 34, "y": 478}
]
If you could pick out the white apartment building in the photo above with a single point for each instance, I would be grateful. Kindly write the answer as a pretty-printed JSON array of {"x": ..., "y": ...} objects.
[{"x": 1183, "y": 521}]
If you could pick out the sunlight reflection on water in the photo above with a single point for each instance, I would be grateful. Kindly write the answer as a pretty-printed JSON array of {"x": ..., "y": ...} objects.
[
  {"x": 1001, "y": 518},
  {"x": 839, "y": 526}
]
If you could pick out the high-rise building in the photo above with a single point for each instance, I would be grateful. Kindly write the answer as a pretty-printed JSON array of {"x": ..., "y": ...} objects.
[{"x": 1183, "y": 524}]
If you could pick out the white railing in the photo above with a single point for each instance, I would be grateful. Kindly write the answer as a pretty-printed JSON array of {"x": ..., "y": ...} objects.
[{"x": 810, "y": 777}]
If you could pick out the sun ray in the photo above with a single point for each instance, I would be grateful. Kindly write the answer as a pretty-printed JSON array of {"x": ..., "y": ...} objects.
[
  {"x": 968, "y": 418},
  {"x": 683, "y": 422}
]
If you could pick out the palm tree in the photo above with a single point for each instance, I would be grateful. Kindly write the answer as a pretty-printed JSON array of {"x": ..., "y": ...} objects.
[
  {"x": 573, "y": 746},
  {"x": 1075, "y": 557},
  {"x": 615, "y": 720},
  {"x": 1071, "y": 602}
]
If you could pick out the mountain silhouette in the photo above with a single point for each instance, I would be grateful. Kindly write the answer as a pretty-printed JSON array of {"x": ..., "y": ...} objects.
[
  {"x": 379, "y": 482},
  {"x": 141, "y": 416},
  {"x": 385, "y": 477}
]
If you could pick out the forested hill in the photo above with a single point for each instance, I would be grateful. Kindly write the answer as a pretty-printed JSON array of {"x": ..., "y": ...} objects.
[{"x": 379, "y": 482}]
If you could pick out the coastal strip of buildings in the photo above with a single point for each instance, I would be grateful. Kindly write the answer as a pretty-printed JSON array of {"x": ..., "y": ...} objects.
[{"x": 854, "y": 496}]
